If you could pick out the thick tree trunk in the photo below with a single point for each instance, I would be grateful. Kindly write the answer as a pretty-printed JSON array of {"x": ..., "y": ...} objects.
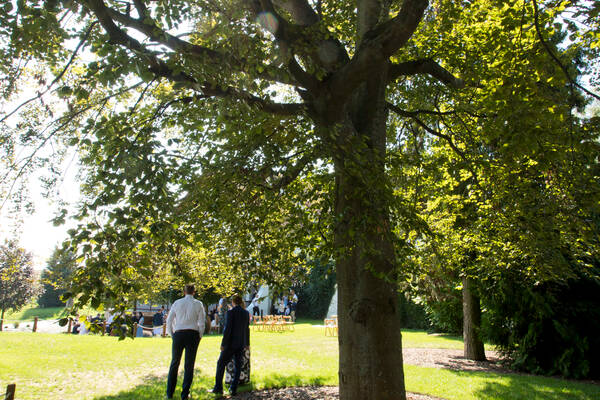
[
  {"x": 471, "y": 323},
  {"x": 369, "y": 326},
  {"x": 369, "y": 333},
  {"x": 2, "y": 320}
]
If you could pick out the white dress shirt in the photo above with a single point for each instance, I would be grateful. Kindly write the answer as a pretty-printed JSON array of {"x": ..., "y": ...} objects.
[{"x": 186, "y": 313}]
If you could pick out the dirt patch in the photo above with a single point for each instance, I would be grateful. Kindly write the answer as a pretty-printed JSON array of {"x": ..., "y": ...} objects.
[{"x": 452, "y": 359}]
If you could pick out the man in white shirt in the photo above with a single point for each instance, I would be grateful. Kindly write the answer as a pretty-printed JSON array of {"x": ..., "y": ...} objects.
[
  {"x": 255, "y": 309},
  {"x": 185, "y": 324}
]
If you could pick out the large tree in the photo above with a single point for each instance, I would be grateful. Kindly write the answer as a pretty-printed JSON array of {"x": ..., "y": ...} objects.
[
  {"x": 260, "y": 130},
  {"x": 17, "y": 278}
]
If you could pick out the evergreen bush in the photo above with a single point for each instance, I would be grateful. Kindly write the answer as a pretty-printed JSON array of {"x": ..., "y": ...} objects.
[
  {"x": 315, "y": 295},
  {"x": 551, "y": 328}
]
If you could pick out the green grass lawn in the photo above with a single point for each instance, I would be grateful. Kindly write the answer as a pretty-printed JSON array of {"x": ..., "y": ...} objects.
[
  {"x": 30, "y": 311},
  {"x": 46, "y": 366}
]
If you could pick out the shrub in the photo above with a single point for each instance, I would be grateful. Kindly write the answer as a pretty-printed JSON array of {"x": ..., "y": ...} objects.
[
  {"x": 315, "y": 295},
  {"x": 551, "y": 328},
  {"x": 412, "y": 315},
  {"x": 445, "y": 314}
]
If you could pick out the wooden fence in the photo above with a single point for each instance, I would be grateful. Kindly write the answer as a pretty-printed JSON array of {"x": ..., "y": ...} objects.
[
  {"x": 70, "y": 326},
  {"x": 33, "y": 329}
]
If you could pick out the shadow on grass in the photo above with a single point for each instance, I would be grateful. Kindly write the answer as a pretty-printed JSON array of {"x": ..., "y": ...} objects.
[
  {"x": 530, "y": 387},
  {"x": 154, "y": 388}
]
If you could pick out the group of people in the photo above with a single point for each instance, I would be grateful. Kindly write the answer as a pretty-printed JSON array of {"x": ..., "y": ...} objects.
[
  {"x": 286, "y": 305},
  {"x": 157, "y": 318},
  {"x": 186, "y": 323},
  {"x": 80, "y": 325},
  {"x": 157, "y": 322}
]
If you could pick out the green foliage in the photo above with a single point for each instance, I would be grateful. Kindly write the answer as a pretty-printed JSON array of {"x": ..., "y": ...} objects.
[
  {"x": 257, "y": 140},
  {"x": 17, "y": 279},
  {"x": 412, "y": 315},
  {"x": 445, "y": 315},
  {"x": 315, "y": 295},
  {"x": 56, "y": 278},
  {"x": 551, "y": 328}
]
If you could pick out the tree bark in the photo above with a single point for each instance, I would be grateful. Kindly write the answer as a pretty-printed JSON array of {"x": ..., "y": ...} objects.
[
  {"x": 370, "y": 346},
  {"x": 2, "y": 320},
  {"x": 473, "y": 345}
]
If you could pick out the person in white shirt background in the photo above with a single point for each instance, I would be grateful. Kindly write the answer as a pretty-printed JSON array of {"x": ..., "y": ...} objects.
[
  {"x": 185, "y": 324},
  {"x": 255, "y": 309}
]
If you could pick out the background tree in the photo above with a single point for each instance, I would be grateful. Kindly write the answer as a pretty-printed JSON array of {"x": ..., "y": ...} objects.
[
  {"x": 17, "y": 278},
  {"x": 315, "y": 293},
  {"x": 259, "y": 131},
  {"x": 56, "y": 277}
]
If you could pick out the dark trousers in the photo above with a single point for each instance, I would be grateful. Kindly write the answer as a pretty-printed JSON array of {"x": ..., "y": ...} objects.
[
  {"x": 224, "y": 359},
  {"x": 255, "y": 311},
  {"x": 188, "y": 340}
]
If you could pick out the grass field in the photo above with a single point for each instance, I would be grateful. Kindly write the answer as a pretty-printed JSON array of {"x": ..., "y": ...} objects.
[
  {"x": 28, "y": 312},
  {"x": 46, "y": 366}
]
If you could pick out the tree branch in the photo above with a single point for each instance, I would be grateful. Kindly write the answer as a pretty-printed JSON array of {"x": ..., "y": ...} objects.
[
  {"x": 376, "y": 47},
  {"x": 287, "y": 35},
  {"x": 425, "y": 66},
  {"x": 141, "y": 8},
  {"x": 160, "y": 36},
  {"x": 160, "y": 68},
  {"x": 553, "y": 56},
  {"x": 250, "y": 99},
  {"x": 63, "y": 121},
  {"x": 436, "y": 133},
  {"x": 293, "y": 173},
  {"x": 302, "y": 13},
  {"x": 57, "y": 78},
  {"x": 392, "y": 35},
  {"x": 175, "y": 43},
  {"x": 323, "y": 50}
]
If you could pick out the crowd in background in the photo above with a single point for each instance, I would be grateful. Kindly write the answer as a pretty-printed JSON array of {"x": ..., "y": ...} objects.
[
  {"x": 81, "y": 325},
  {"x": 281, "y": 304}
]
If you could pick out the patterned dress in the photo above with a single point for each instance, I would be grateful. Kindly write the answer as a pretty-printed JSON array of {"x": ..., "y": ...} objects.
[{"x": 244, "y": 374}]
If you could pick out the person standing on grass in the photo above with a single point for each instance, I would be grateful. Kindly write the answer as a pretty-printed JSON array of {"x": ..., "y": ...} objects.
[
  {"x": 185, "y": 324},
  {"x": 236, "y": 338},
  {"x": 255, "y": 309},
  {"x": 293, "y": 304}
]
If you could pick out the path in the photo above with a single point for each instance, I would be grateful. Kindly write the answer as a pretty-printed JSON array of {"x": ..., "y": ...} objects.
[{"x": 44, "y": 326}]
